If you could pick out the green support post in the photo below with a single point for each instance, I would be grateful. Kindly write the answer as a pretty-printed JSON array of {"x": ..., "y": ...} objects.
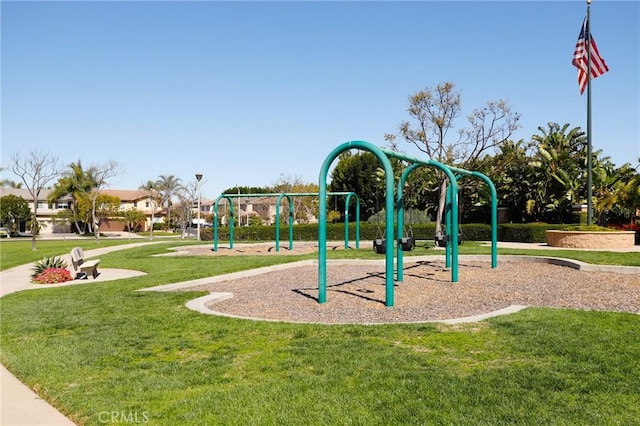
[
  {"x": 494, "y": 211},
  {"x": 291, "y": 215},
  {"x": 322, "y": 219},
  {"x": 451, "y": 213},
  {"x": 400, "y": 218},
  {"x": 215, "y": 222}
]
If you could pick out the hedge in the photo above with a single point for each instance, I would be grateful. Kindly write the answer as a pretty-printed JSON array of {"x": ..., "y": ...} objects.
[{"x": 525, "y": 233}]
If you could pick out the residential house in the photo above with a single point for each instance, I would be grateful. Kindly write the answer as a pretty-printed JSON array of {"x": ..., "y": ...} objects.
[
  {"x": 244, "y": 207},
  {"x": 265, "y": 207},
  {"x": 137, "y": 199},
  {"x": 46, "y": 211}
]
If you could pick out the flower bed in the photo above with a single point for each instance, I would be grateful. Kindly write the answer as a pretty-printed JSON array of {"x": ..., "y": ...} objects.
[{"x": 52, "y": 276}]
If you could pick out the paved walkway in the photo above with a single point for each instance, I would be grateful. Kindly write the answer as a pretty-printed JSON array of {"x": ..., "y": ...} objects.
[{"x": 19, "y": 405}]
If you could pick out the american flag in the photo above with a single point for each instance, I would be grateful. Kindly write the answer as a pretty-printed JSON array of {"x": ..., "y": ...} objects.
[{"x": 580, "y": 58}]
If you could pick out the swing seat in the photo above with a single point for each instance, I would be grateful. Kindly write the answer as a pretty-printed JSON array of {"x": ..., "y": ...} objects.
[
  {"x": 380, "y": 246},
  {"x": 407, "y": 243},
  {"x": 442, "y": 240}
]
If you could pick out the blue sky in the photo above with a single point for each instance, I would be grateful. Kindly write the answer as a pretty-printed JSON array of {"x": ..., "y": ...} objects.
[{"x": 244, "y": 92}]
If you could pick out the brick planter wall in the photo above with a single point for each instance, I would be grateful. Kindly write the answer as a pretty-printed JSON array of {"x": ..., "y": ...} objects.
[{"x": 592, "y": 240}]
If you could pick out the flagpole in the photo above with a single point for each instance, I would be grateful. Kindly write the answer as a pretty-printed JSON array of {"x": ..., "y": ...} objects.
[{"x": 589, "y": 165}]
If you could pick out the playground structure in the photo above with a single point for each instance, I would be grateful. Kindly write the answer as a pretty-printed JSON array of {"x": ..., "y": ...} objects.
[
  {"x": 451, "y": 214},
  {"x": 289, "y": 196}
]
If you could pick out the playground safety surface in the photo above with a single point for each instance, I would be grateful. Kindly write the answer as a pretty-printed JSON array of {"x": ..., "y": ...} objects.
[{"x": 356, "y": 291}]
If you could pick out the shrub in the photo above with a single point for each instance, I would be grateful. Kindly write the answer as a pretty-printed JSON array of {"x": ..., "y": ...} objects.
[
  {"x": 52, "y": 276},
  {"x": 525, "y": 232},
  {"x": 588, "y": 228},
  {"x": 48, "y": 263}
]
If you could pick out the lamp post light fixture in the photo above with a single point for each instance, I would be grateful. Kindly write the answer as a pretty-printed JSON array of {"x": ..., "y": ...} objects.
[{"x": 198, "y": 178}]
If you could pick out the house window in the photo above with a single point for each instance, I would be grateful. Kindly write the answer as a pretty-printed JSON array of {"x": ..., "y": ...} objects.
[
  {"x": 43, "y": 205},
  {"x": 147, "y": 204},
  {"x": 135, "y": 204},
  {"x": 62, "y": 206}
]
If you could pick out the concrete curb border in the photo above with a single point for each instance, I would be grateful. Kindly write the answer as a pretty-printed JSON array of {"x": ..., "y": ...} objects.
[{"x": 204, "y": 304}]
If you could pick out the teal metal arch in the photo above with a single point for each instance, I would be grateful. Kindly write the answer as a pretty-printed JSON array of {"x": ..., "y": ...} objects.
[
  {"x": 460, "y": 173},
  {"x": 453, "y": 205},
  {"x": 215, "y": 221},
  {"x": 315, "y": 194},
  {"x": 280, "y": 197},
  {"x": 450, "y": 256},
  {"x": 383, "y": 156},
  {"x": 400, "y": 216},
  {"x": 322, "y": 218}
]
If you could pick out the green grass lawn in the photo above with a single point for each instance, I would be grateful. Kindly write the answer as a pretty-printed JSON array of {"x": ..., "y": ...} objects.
[{"x": 105, "y": 348}]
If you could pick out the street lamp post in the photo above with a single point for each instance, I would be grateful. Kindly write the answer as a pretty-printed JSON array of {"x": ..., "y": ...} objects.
[{"x": 198, "y": 178}]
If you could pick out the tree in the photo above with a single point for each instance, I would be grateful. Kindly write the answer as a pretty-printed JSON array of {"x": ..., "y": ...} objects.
[
  {"x": 132, "y": 218},
  {"x": 434, "y": 111},
  {"x": 88, "y": 184},
  {"x": 630, "y": 196},
  {"x": 255, "y": 219},
  {"x": 511, "y": 173},
  {"x": 614, "y": 190},
  {"x": 64, "y": 218},
  {"x": 186, "y": 196},
  {"x": 558, "y": 174},
  {"x": 100, "y": 175},
  {"x": 100, "y": 208},
  {"x": 13, "y": 209},
  {"x": 36, "y": 171},
  {"x": 8, "y": 183},
  {"x": 357, "y": 172},
  {"x": 167, "y": 187},
  {"x": 76, "y": 182},
  {"x": 304, "y": 208},
  {"x": 155, "y": 198},
  {"x": 333, "y": 216}
]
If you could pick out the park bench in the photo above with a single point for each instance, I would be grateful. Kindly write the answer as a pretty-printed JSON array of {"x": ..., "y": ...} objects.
[{"x": 83, "y": 267}]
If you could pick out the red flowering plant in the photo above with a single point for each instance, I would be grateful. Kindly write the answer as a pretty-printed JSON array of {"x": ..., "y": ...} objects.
[
  {"x": 50, "y": 270},
  {"x": 52, "y": 276},
  {"x": 629, "y": 227}
]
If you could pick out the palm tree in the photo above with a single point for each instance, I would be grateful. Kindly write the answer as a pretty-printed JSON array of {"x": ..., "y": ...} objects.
[
  {"x": 616, "y": 190},
  {"x": 86, "y": 185},
  {"x": 559, "y": 169},
  {"x": 8, "y": 183},
  {"x": 168, "y": 186},
  {"x": 74, "y": 182}
]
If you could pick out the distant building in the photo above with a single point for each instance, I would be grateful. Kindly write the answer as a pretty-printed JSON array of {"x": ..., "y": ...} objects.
[
  {"x": 265, "y": 207},
  {"x": 46, "y": 211},
  {"x": 138, "y": 200}
]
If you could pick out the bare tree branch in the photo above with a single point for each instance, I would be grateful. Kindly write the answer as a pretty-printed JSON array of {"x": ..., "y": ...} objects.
[{"x": 36, "y": 170}]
